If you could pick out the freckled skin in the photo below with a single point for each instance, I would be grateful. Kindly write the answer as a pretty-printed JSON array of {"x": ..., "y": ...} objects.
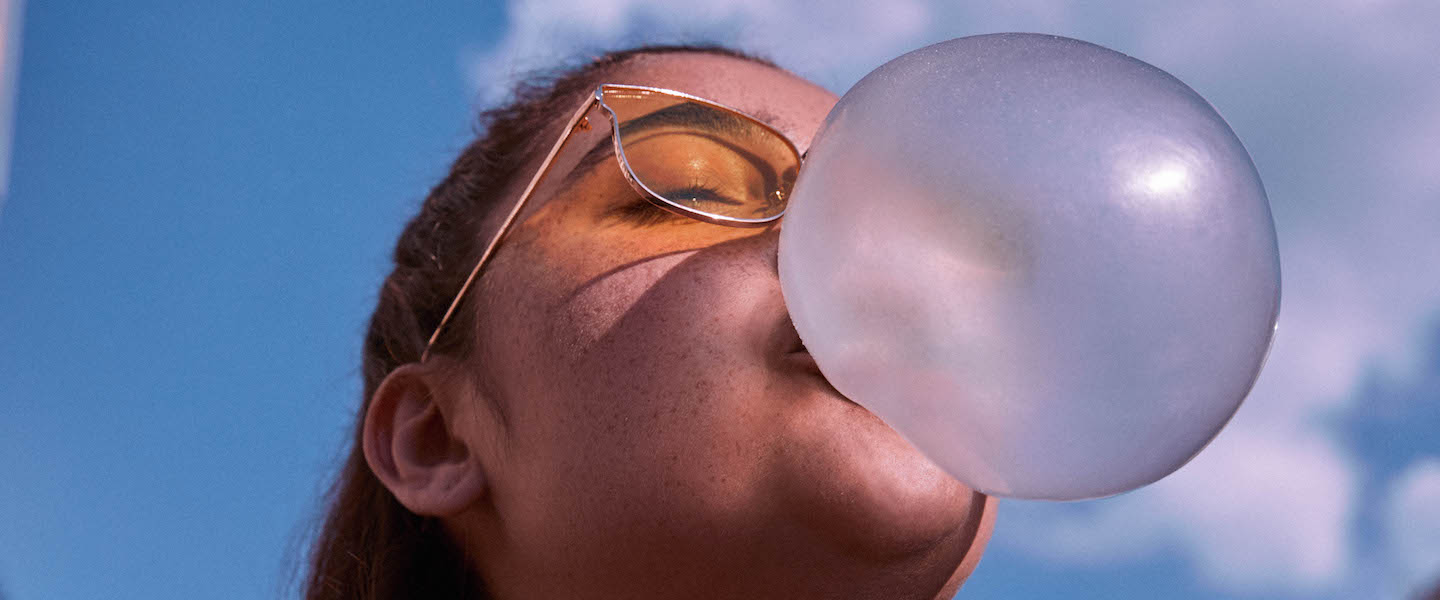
[{"x": 658, "y": 444}]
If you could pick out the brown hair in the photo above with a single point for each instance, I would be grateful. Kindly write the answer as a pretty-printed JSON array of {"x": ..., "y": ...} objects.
[{"x": 370, "y": 546}]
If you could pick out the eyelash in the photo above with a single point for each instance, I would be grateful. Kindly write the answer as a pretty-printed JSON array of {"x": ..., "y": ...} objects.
[
  {"x": 699, "y": 191},
  {"x": 642, "y": 212}
]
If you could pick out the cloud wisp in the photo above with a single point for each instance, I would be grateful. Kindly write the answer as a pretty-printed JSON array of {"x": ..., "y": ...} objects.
[
  {"x": 1412, "y": 513},
  {"x": 10, "y": 21}
]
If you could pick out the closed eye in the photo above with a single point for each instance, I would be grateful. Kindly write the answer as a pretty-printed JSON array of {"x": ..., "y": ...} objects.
[
  {"x": 641, "y": 212},
  {"x": 698, "y": 194}
]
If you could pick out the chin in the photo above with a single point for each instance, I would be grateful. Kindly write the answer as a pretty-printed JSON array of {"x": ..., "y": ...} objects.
[
  {"x": 854, "y": 486},
  {"x": 858, "y": 485},
  {"x": 898, "y": 507}
]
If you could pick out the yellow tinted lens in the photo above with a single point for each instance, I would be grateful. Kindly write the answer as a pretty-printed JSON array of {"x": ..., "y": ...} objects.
[{"x": 701, "y": 156}]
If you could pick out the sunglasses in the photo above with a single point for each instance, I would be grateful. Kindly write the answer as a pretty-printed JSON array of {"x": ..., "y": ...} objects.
[{"x": 748, "y": 186}]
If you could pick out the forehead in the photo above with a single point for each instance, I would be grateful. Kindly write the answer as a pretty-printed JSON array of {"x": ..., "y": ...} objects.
[{"x": 793, "y": 105}]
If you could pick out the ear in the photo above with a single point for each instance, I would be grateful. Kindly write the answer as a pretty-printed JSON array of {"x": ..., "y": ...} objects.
[{"x": 413, "y": 448}]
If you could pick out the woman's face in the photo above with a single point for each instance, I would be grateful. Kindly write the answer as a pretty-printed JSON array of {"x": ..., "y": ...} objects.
[{"x": 664, "y": 432}]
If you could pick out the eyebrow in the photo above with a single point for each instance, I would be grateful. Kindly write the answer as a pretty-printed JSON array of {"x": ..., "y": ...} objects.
[{"x": 687, "y": 114}]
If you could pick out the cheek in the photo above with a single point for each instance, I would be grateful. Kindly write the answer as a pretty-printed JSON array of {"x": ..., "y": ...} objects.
[
  {"x": 632, "y": 296},
  {"x": 607, "y": 303},
  {"x": 657, "y": 411},
  {"x": 683, "y": 331},
  {"x": 645, "y": 409},
  {"x": 653, "y": 370}
]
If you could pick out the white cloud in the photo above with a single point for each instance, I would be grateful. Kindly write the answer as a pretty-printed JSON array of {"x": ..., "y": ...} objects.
[
  {"x": 1336, "y": 104},
  {"x": 1412, "y": 520},
  {"x": 1266, "y": 507},
  {"x": 804, "y": 36},
  {"x": 1257, "y": 511}
]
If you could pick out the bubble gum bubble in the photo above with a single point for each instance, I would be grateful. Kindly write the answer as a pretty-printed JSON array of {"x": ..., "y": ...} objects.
[{"x": 1050, "y": 266}]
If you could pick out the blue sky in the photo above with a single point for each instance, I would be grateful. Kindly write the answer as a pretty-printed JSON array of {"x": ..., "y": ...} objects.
[{"x": 202, "y": 198}]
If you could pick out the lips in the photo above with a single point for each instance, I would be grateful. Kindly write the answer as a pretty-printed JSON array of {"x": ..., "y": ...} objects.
[
  {"x": 785, "y": 340},
  {"x": 784, "y": 343},
  {"x": 794, "y": 355}
]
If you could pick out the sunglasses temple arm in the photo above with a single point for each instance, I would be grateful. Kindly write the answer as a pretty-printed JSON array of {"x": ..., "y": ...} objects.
[{"x": 505, "y": 225}]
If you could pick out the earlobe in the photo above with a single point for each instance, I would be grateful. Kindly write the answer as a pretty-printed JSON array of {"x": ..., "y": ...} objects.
[{"x": 412, "y": 446}]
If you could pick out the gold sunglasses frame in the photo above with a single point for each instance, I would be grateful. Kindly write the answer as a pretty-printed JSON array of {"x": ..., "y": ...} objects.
[{"x": 581, "y": 122}]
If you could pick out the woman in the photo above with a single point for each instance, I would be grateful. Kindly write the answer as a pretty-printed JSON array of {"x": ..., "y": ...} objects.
[{"x": 619, "y": 406}]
